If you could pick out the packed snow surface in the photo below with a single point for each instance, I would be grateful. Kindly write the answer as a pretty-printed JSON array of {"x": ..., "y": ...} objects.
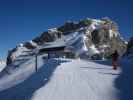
[
  {"x": 79, "y": 80},
  {"x": 60, "y": 79},
  {"x": 65, "y": 79}
]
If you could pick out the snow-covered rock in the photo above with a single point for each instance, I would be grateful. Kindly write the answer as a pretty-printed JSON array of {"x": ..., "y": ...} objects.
[
  {"x": 13, "y": 54},
  {"x": 30, "y": 44},
  {"x": 52, "y": 30},
  {"x": 93, "y": 50},
  {"x": 20, "y": 45},
  {"x": 68, "y": 79},
  {"x": 95, "y": 32},
  {"x": 112, "y": 34}
]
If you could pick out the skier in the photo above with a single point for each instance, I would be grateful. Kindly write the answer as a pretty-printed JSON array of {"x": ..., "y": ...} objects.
[
  {"x": 9, "y": 59},
  {"x": 115, "y": 57}
]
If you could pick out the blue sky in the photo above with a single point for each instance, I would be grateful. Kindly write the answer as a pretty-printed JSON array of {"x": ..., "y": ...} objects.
[{"x": 22, "y": 20}]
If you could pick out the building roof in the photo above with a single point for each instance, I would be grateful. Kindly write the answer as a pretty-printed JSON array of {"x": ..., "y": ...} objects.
[{"x": 57, "y": 45}]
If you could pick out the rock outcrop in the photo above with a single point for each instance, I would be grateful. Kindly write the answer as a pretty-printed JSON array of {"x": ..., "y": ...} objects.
[{"x": 103, "y": 34}]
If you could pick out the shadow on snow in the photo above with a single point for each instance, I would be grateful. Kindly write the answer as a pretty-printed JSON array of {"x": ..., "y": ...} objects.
[
  {"x": 24, "y": 90},
  {"x": 124, "y": 82}
]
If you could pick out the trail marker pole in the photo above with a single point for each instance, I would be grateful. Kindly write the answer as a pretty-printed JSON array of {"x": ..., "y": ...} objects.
[
  {"x": 36, "y": 62},
  {"x": 36, "y": 54}
]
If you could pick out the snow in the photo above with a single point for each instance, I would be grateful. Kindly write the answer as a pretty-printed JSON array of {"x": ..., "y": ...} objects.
[
  {"x": 126, "y": 42},
  {"x": 103, "y": 47},
  {"x": 96, "y": 24},
  {"x": 79, "y": 80},
  {"x": 93, "y": 50},
  {"x": 19, "y": 51},
  {"x": 74, "y": 42},
  {"x": 97, "y": 21},
  {"x": 56, "y": 43},
  {"x": 33, "y": 43},
  {"x": 20, "y": 45},
  {"x": 92, "y": 27},
  {"x": 112, "y": 34},
  {"x": 77, "y": 41},
  {"x": 84, "y": 43},
  {"x": 67, "y": 79},
  {"x": 2, "y": 65},
  {"x": 18, "y": 75},
  {"x": 52, "y": 30}
]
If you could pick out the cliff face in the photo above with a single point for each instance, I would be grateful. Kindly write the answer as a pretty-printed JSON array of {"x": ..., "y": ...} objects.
[{"x": 102, "y": 34}]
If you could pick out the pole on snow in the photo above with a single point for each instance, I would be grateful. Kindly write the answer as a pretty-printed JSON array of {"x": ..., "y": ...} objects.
[
  {"x": 36, "y": 62},
  {"x": 36, "y": 54}
]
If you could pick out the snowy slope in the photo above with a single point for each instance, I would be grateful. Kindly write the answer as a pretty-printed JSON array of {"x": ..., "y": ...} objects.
[
  {"x": 2, "y": 65},
  {"x": 60, "y": 79},
  {"x": 79, "y": 80},
  {"x": 75, "y": 42}
]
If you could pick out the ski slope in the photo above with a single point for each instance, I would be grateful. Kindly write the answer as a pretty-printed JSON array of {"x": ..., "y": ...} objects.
[
  {"x": 60, "y": 79},
  {"x": 80, "y": 80}
]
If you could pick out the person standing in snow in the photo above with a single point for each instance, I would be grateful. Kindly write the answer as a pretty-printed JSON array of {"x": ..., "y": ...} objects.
[
  {"x": 115, "y": 57},
  {"x": 8, "y": 61}
]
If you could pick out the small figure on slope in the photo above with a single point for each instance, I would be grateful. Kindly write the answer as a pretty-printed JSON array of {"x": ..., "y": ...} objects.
[{"x": 115, "y": 57}]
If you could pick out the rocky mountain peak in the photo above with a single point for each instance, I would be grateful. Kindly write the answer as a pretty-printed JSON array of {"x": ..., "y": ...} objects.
[{"x": 101, "y": 34}]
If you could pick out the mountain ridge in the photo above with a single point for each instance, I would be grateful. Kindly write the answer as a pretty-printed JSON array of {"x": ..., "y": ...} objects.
[{"x": 102, "y": 34}]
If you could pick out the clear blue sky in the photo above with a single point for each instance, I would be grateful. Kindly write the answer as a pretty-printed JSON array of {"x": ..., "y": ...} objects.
[{"x": 21, "y": 20}]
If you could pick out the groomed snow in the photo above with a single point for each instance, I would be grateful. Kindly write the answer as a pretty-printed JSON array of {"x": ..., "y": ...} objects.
[
  {"x": 65, "y": 79},
  {"x": 60, "y": 79},
  {"x": 79, "y": 80}
]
